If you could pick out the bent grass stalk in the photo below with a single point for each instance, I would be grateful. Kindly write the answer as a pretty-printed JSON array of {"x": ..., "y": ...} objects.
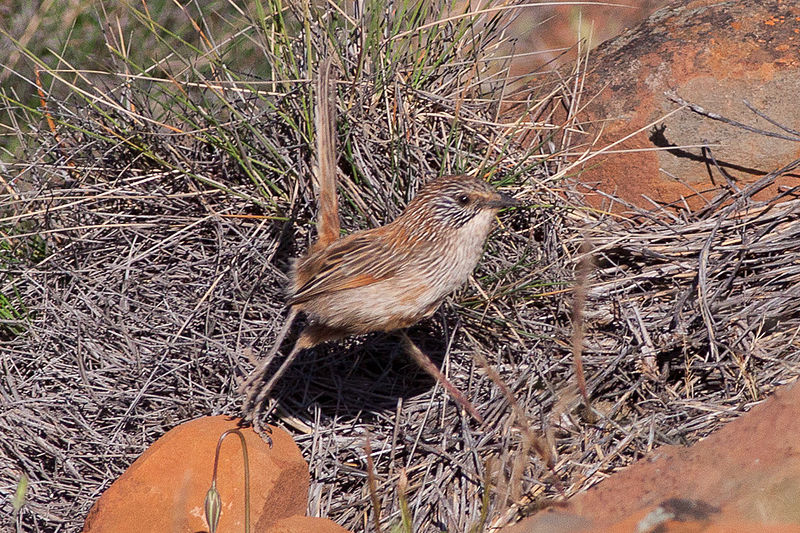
[{"x": 213, "y": 503}]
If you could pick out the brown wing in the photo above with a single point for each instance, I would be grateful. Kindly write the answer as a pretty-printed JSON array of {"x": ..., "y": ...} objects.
[{"x": 354, "y": 261}]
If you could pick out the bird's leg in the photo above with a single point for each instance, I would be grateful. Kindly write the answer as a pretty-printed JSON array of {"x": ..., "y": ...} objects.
[
  {"x": 427, "y": 365},
  {"x": 254, "y": 387},
  {"x": 257, "y": 395}
]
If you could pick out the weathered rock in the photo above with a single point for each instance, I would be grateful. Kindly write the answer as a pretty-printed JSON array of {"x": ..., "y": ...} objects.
[
  {"x": 305, "y": 524},
  {"x": 655, "y": 520},
  {"x": 711, "y": 53},
  {"x": 745, "y": 477},
  {"x": 165, "y": 488}
]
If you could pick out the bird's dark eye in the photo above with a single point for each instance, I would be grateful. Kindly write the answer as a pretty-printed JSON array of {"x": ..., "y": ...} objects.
[{"x": 462, "y": 199}]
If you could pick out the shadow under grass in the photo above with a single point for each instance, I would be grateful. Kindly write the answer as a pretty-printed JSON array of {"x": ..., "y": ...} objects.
[{"x": 369, "y": 373}]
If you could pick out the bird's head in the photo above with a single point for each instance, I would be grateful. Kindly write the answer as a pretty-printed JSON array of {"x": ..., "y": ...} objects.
[{"x": 454, "y": 201}]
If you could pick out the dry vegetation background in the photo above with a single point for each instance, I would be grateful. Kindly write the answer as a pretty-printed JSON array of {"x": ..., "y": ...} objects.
[{"x": 151, "y": 205}]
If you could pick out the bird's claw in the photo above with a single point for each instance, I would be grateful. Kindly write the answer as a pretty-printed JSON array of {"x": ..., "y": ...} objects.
[
  {"x": 265, "y": 432},
  {"x": 253, "y": 408}
]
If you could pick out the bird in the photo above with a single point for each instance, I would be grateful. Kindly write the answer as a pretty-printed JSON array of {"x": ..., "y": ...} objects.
[{"x": 385, "y": 278}]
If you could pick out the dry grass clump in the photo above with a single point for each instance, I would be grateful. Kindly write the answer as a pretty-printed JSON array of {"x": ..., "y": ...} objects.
[{"x": 164, "y": 200}]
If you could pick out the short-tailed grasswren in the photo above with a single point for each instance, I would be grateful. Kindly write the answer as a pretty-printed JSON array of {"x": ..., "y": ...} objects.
[{"x": 386, "y": 278}]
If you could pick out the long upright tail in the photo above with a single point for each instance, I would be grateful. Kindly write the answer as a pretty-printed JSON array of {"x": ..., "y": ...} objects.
[
  {"x": 325, "y": 126},
  {"x": 259, "y": 384}
]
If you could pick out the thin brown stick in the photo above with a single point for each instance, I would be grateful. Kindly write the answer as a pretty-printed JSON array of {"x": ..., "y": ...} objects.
[
  {"x": 539, "y": 444},
  {"x": 427, "y": 365},
  {"x": 578, "y": 303},
  {"x": 372, "y": 484}
]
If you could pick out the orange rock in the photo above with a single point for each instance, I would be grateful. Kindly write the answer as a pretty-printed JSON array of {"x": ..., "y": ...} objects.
[
  {"x": 165, "y": 488},
  {"x": 743, "y": 478},
  {"x": 710, "y": 53},
  {"x": 653, "y": 521},
  {"x": 304, "y": 524}
]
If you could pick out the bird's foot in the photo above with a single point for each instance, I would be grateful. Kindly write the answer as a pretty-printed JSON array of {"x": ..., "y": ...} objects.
[{"x": 253, "y": 406}]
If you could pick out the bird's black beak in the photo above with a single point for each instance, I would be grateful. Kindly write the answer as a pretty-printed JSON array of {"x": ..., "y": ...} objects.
[{"x": 501, "y": 200}]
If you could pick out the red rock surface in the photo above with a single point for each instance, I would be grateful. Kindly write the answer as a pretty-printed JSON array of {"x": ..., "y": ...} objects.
[
  {"x": 165, "y": 488},
  {"x": 305, "y": 524},
  {"x": 743, "y": 478},
  {"x": 711, "y": 53}
]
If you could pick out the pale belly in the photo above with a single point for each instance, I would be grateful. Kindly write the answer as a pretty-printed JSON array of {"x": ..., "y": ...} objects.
[{"x": 382, "y": 306}]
